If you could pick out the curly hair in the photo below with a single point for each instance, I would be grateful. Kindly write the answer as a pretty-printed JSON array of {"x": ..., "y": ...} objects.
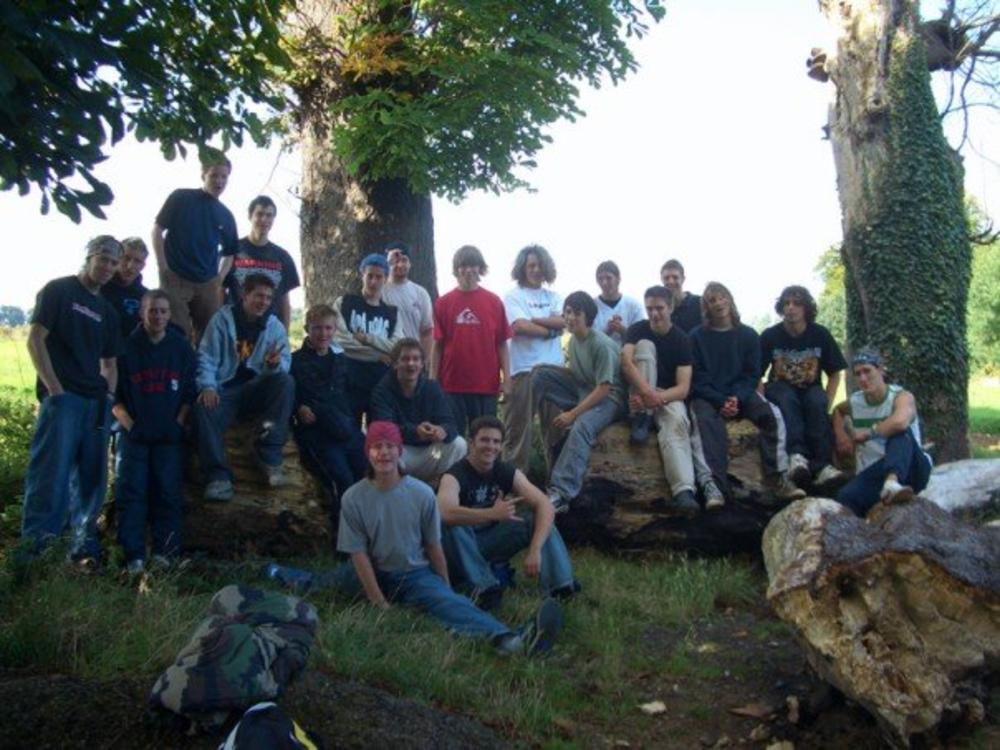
[
  {"x": 801, "y": 295},
  {"x": 548, "y": 265}
]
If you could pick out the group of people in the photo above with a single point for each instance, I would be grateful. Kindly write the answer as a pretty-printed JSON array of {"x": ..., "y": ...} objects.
[{"x": 392, "y": 394}]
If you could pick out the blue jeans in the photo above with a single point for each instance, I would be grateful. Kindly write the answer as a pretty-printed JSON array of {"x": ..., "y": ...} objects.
[
  {"x": 807, "y": 424},
  {"x": 267, "y": 398},
  {"x": 903, "y": 457},
  {"x": 149, "y": 487},
  {"x": 67, "y": 473},
  {"x": 421, "y": 589},
  {"x": 471, "y": 552},
  {"x": 337, "y": 463},
  {"x": 555, "y": 389}
]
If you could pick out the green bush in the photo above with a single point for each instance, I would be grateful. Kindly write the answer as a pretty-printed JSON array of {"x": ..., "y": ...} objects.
[
  {"x": 984, "y": 309},
  {"x": 17, "y": 417}
]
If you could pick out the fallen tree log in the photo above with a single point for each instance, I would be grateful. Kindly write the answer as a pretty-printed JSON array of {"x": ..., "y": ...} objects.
[
  {"x": 899, "y": 611},
  {"x": 290, "y": 520}
]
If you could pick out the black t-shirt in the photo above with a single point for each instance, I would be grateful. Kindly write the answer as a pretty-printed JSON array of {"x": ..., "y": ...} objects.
[
  {"x": 798, "y": 360},
  {"x": 83, "y": 328},
  {"x": 267, "y": 260},
  {"x": 378, "y": 320},
  {"x": 481, "y": 491},
  {"x": 673, "y": 350},
  {"x": 199, "y": 228},
  {"x": 127, "y": 300},
  {"x": 687, "y": 314}
]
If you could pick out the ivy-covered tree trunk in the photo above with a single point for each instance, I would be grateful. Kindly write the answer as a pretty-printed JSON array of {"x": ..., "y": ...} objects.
[
  {"x": 343, "y": 219},
  {"x": 905, "y": 248}
]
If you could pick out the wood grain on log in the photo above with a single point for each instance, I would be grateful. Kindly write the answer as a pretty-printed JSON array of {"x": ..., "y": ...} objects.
[{"x": 900, "y": 611}]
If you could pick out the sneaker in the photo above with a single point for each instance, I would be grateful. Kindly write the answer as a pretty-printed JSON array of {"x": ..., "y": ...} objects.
[
  {"x": 714, "y": 499},
  {"x": 487, "y": 599},
  {"x": 559, "y": 502},
  {"x": 87, "y": 566},
  {"x": 642, "y": 425},
  {"x": 567, "y": 592},
  {"x": 275, "y": 475},
  {"x": 135, "y": 567},
  {"x": 685, "y": 503},
  {"x": 539, "y": 635},
  {"x": 785, "y": 489},
  {"x": 508, "y": 644},
  {"x": 893, "y": 492},
  {"x": 798, "y": 469},
  {"x": 294, "y": 578},
  {"x": 218, "y": 491},
  {"x": 829, "y": 476}
]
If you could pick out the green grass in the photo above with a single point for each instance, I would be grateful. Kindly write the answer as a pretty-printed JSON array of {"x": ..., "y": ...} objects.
[
  {"x": 16, "y": 371},
  {"x": 984, "y": 416}
]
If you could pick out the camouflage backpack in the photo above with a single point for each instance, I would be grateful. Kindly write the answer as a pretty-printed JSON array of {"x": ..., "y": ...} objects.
[{"x": 251, "y": 645}]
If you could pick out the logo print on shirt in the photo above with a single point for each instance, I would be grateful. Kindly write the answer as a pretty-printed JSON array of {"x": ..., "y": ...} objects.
[
  {"x": 84, "y": 310},
  {"x": 467, "y": 318},
  {"x": 377, "y": 326}
]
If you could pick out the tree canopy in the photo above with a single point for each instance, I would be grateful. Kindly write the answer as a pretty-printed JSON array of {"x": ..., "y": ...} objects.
[{"x": 76, "y": 75}]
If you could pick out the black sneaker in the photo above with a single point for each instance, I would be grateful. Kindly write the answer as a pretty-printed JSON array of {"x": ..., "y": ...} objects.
[
  {"x": 567, "y": 592},
  {"x": 642, "y": 425},
  {"x": 539, "y": 635},
  {"x": 487, "y": 599},
  {"x": 685, "y": 504}
]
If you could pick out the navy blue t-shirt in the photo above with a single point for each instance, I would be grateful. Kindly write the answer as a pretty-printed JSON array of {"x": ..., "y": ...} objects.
[
  {"x": 127, "y": 300},
  {"x": 83, "y": 328},
  {"x": 199, "y": 228},
  {"x": 267, "y": 260},
  {"x": 687, "y": 314}
]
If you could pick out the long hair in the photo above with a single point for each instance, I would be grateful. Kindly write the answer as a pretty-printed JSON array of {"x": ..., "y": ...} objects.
[
  {"x": 713, "y": 288},
  {"x": 548, "y": 265},
  {"x": 801, "y": 295}
]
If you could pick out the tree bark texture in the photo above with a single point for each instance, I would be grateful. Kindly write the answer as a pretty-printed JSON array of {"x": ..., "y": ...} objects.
[
  {"x": 905, "y": 249},
  {"x": 899, "y": 611}
]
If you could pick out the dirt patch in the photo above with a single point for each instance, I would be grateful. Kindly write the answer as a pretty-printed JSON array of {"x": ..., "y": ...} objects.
[{"x": 55, "y": 711}]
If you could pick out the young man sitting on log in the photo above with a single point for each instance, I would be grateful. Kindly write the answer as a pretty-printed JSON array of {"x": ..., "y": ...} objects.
[
  {"x": 797, "y": 351},
  {"x": 329, "y": 439},
  {"x": 576, "y": 403},
  {"x": 391, "y": 528},
  {"x": 879, "y": 425},
  {"x": 657, "y": 363},
  {"x": 431, "y": 443},
  {"x": 243, "y": 363},
  {"x": 478, "y": 499},
  {"x": 726, "y": 373}
]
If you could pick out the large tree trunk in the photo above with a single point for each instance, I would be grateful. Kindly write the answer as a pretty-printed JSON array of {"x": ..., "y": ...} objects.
[{"x": 905, "y": 248}]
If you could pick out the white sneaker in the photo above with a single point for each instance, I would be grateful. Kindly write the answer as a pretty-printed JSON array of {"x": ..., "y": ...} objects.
[
  {"x": 714, "y": 499},
  {"x": 829, "y": 474},
  {"x": 785, "y": 489},
  {"x": 135, "y": 567},
  {"x": 275, "y": 475},
  {"x": 798, "y": 469},
  {"x": 894, "y": 492}
]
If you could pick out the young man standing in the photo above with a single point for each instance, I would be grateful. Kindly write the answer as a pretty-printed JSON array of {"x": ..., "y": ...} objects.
[
  {"x": 879, "y": 424},
  {"x": 687, "y": 306},
  {"x": 73, "y": 342},
  {"x": 243, "y": 364},
  {"x": 535, "y": 315},
  {"x": 615, "y": 312},
  {"x": 125, "y": 290},
  {"x": 797, "y": 351},
  {"x": 657, "y": 362},
  {"x": 367, "y": 329},
  {"x": 191, "y": 230},
  {"x": 470, "y": 342},
  {"x": 155, "y": 392},
  {"x": 391, "y": 528},
  {"x": 726, "y": 374},
  {"x": 325, "y": 430},
  {"x": 406, "y": 397},
  {"x": 256, "y": 254},
  {"x": 483, "y": 526},
  {"x": 416, "y": 319},
  {"x": 575, "y": 404}
]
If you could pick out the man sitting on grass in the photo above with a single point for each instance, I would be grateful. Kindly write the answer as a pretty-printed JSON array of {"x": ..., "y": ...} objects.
[
  {"x": 243, "y": 363},
  {"x": 431, "y": 442},
  {"x": 879, "y": 424},
  {"x": 478, "y": 499},
  {"x": 390, "y": 526}
]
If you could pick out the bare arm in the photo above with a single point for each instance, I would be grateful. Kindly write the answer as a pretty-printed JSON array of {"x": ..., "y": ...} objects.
[
  {"x": 438, "y": 564},
  {"x": 832, "y": 384},
  {"x": 435, "y": 367},
  {"x": 524, "y": 327},
  {"x": 544, "y": 513},
  {"x": 454, "y": 514},
  {"x": 680, "y": 390},
  {"x": 427, "y": 340},
  {"x": 123, "y": 417},
  {"x": 40, "y": 359},
  {"x": 159, "y": 249},
  {"x": 109, "y": 369},
  {"x": 225, "y": 265},
  {"x": 552, "y": 322},
  {"x": 284, "y": 311},
  {"x": 366, "y": 573},
  {"x": 904, "y": 410},
  {"x": 503, "y": 354},
  {"x": 843, "y": 441}
]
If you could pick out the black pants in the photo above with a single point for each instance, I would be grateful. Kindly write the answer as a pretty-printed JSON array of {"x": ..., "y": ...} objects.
[
  {"x": 362, "y": 377},
  {"x": 807, "y": 423},
  {"x": 715, "y": 441},
  {"x": 468, "y": 406}
]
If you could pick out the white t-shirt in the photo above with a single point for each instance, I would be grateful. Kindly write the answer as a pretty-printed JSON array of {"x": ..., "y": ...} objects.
[
  {"x": 414, "y": 304},
  {"x": 524, "y": 303},
  {"x": 629, "y": 310}
]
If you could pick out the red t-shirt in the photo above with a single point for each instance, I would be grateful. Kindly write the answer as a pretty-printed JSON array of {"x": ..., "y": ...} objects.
[{"x": 469, "y": 326}]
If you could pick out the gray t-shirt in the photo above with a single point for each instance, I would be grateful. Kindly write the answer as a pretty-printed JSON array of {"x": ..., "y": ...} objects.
[{"x": 391, "y": 526}]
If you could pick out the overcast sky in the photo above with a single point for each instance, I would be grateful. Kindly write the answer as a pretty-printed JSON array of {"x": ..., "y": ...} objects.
[{"x": 712, "y": 153}]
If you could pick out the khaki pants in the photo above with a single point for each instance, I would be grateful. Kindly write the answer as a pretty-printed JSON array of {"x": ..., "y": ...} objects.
[
  {"x": 192, "y": 303},
  {"x": 428, "y": 462}
]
